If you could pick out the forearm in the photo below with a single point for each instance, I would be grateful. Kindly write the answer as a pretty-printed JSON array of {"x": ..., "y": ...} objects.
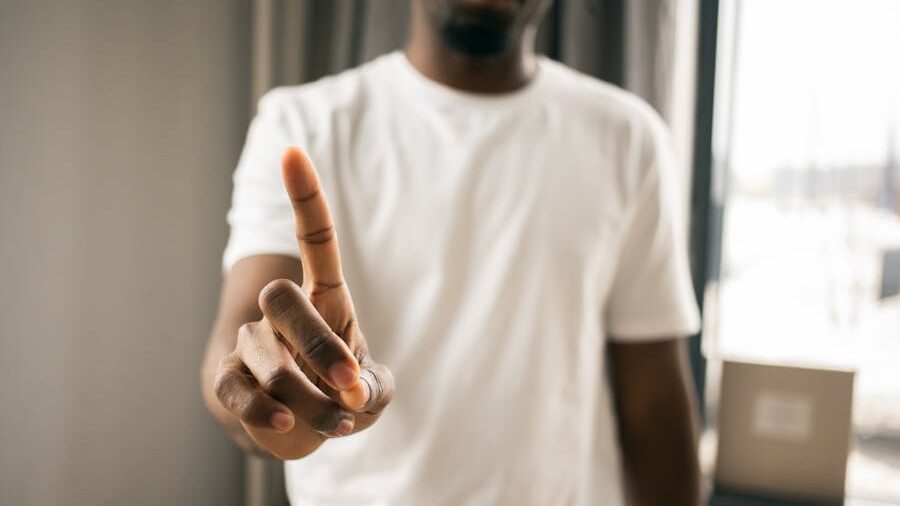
[
  {"x": 660, "y": 462},
  {"x": 657, "y": 414}
]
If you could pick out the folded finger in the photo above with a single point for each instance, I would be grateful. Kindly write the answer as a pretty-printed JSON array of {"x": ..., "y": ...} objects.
[
  {"x": 291, "y": 313},
  {"x": 278, "y": 374},
  {"x": 239, "y": 392}
]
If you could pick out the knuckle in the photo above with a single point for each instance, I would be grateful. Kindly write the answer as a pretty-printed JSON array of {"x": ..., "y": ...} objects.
[
  {"x": 278, "y": 377},
  {"x": 246, "y": 331},
  {"x": 317, "y": 346},
  {"x": 252, "y": 408},
  {"x": 326, "y": 420},
  {"x": 227, "y": 386},
  {"x": 381, "y": 388},
  {"x": 321, "y": 236},
  {"x": 277, "y": 296}
]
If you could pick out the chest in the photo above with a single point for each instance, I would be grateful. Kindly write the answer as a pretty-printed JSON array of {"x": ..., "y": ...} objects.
[{"x": 464, "y": 196}]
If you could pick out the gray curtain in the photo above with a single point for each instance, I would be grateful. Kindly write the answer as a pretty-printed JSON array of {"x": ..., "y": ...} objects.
[
  {"x": 631, "y": 43},
  {"x": 646, "y": 46}
]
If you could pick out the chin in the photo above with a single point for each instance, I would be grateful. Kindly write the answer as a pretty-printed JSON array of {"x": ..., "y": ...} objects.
[{"x": 476, "y": 27}]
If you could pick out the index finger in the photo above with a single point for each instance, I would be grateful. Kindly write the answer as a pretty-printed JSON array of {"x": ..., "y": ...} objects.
[{"x": 314, "y": 226}]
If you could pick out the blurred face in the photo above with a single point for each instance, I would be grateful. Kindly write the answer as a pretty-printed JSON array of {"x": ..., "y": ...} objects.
[{"x": 483, "y": 27}]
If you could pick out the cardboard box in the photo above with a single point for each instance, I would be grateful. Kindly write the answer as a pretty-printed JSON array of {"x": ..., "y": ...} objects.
[{"x": 784, "y": 431}]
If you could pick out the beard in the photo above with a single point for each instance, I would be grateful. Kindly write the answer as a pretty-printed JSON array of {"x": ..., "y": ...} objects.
[{"x": 477, "y": 32}]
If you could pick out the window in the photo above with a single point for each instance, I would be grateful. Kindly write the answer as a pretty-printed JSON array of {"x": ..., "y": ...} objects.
[{"x": 806, "y": 149}]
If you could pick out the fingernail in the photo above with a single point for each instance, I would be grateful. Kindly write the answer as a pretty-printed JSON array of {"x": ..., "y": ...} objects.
[
  {"x": 281, "y": 421},
  {"x": 342, "y": 375},
  {"x": 356, "y": 397},
  {"x": 345, "y": 427}
]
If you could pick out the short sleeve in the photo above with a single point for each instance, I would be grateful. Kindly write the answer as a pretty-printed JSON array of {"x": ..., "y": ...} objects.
[
  {"x": 652, "y": 295},
  {"x": 260, "y": 218}
]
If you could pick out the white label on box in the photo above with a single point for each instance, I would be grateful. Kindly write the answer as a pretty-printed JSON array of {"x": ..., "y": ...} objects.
[{"x": 782, "y": 415}]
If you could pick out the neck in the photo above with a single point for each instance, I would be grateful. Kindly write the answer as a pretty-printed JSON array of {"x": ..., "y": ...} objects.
[{"x": 500, "y": 73}]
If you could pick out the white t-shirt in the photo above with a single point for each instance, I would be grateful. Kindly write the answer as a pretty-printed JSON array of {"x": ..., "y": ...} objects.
[{"x": 492, "y": 246}]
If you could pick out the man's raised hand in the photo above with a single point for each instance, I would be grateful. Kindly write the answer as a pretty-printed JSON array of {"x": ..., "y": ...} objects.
[{"x": 303, "y": 372}]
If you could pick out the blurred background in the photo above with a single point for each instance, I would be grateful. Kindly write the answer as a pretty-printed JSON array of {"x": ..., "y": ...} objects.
[
  {"x": 806, "y": 189},
  {"x": 122, "y": 122}
]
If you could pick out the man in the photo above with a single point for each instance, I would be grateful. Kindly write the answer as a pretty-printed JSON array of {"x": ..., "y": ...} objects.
[{"x": 507, "y": 235}]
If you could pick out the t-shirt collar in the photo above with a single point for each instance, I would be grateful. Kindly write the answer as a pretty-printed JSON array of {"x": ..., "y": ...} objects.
[{"x": 441, "y": 94}]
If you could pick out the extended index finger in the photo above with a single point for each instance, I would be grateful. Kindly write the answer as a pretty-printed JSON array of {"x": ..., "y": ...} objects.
[{"x": 313, "y": 223}]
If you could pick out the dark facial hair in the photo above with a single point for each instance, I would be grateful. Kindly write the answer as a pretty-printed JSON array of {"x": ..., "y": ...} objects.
[{"x": 488, "y": 35}]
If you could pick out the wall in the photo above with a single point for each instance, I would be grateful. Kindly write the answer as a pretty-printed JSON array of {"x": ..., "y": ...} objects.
[{"x": 120, "y": 124}]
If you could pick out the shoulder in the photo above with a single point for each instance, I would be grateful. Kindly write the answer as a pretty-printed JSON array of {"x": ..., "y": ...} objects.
[
  {"x": 626, "y": 128},
  {"x": 339, "y": 94},
  {"x": 601, "y": 103}
]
